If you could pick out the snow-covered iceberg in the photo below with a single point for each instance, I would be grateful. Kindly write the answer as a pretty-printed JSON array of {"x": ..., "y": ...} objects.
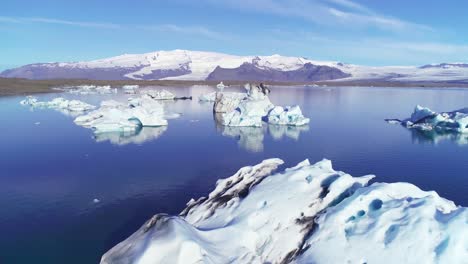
[
  {"x": 289, "y": 115},
  {"x": 424, "y": 118},
  {"x": 89, "y": 89},
  {"x": 250, "y": 110},
  {"x": 211, "y": 97},
  {"x": 130, "y": 89},
  {"x": 58, "y": 103},
  {"x": 227, "y": 102},
  {"x": 305, "y": 214},
  {"x": 158, "y": 94},
  {"x": 255, "y": 108},
  {"x": 114, "y": 116}
]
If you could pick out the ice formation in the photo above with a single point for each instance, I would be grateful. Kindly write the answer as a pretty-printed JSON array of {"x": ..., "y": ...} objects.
[
  {"x": 424, "y": 118},
  {"x": 305, "y": 214},
  {"x": 130, "y": 89},
  {"x": 89, "y": 89},
  {"x": 290, "y": 115},
  {"x": 227, "y": 102},
  {"x": 59, "y": 103},
  {"x": 211, "y": 97},
  {"x": 256, "y": 107},
  {"x": 114, "y": 116},
  {"x": 159, "y": 94}
]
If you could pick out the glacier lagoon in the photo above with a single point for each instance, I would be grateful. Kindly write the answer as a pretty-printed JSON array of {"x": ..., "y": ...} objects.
[{"x": 67, "y": 196}]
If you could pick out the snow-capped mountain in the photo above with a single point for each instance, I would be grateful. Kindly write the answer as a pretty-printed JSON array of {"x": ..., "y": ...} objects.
[{"x": 200, "y": 65}]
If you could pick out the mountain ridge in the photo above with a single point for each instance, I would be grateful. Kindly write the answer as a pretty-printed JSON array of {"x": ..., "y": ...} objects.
[{"x": 203, "y": 65}]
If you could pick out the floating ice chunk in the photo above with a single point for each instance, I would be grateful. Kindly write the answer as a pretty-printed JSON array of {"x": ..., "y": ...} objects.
[
  {"x": 89, "y": 89},
  {"x": 225, "y": 103},
  {"x": 96, "y": 200},
  {"x": 305, "y": 214},
  {"x": 220, "y": 86},
  {"x": 130, "y": 89},
  {"x": 114, "y": 116},
  {"x": 249, "y": 112},
  {"x": 289, "y": 115},
  {"x": 159, "y": 94},
  {"x": 59, "y": 103},
  {"x": 424, "y": 118},
  {"x": 211, "y": 97}
]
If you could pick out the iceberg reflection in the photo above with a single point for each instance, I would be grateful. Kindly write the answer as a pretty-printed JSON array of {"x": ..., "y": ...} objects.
[
  {"x": 434, "y": 137},
  {"x": 251, "y": 138},
  {"x": 139, "y": 136}
]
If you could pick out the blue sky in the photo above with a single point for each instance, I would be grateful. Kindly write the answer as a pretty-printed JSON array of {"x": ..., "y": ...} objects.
[{"x": 370, "y": 32}]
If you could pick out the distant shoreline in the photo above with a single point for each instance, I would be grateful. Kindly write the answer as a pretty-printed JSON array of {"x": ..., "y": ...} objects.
[{"x": 16, "y": 86}]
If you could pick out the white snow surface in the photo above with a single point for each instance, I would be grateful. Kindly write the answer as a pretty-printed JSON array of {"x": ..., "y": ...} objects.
[
  {"x": 304, "y": 214},
  {"x": 200, "y": 64},
  {"x": 424, "y": 118}
]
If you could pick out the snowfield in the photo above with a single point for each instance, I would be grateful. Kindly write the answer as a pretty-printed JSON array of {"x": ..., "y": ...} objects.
[
  {"x": 198, "y": 65},
  {"x": 304, "y": 214}
]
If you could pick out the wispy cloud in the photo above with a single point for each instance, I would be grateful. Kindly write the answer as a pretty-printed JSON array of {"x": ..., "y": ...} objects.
[
  {"x": 72, "y": 23},
  {"x": 200, "y": 31},
  {"x": 188, "y": 30},
  {"x": 25, "y": 20},
  {"x": 343, "y": 13}
]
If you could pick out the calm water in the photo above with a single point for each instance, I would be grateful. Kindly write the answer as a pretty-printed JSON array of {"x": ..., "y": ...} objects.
[{"x": 51, "y": 172}]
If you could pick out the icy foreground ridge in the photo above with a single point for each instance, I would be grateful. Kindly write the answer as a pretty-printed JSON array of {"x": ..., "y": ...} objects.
[
  {"x": 59, "y": 103},
  {"x": 305, "y": 214},
  {"x": 114, "y": 116},
  {"x": 425, "y": 119}
]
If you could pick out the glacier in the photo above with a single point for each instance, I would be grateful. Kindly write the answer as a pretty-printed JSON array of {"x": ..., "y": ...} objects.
[
  {"x": 425, "y": 119},
  {"x": 308, "y": 213}
]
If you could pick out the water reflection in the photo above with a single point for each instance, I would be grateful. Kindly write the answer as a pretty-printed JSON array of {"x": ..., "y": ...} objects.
[
  {"x": 251, "y": 138},
  {"x": 278, "y": 132},
  {"x": 140, "y": 136},
  {"x": 435, "y": 137}
]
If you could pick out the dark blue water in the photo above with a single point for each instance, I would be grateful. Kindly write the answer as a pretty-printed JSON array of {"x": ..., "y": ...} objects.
[{"x": 51, "y": 172}]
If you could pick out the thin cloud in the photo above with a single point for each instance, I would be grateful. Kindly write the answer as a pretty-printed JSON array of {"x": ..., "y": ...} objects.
[
  {"x": 190, "y": 30},
  {"x": 72, "y": 23},
  {"x": 342, "y": 13},
  {"x": 44, "y": 20}
]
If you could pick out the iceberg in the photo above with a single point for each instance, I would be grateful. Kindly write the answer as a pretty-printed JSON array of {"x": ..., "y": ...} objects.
[
  {"x": 425, "y": 119},
  {"x": 289, "y": 115},
  {"x": 250, "y": 110},
  {"x": 227, "y": 102},
  {"x": 130, "y": 89},
  {"x": 304, "y": 214},
  {"x": 59, "y": 103},
  {"x": 89, "y": 89},
  {"x": 158, "y": 94},
  {"x": 257, "y": 107},
  {"x": 114, "y": 116},
  {"x": 211, "y": 97}
]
